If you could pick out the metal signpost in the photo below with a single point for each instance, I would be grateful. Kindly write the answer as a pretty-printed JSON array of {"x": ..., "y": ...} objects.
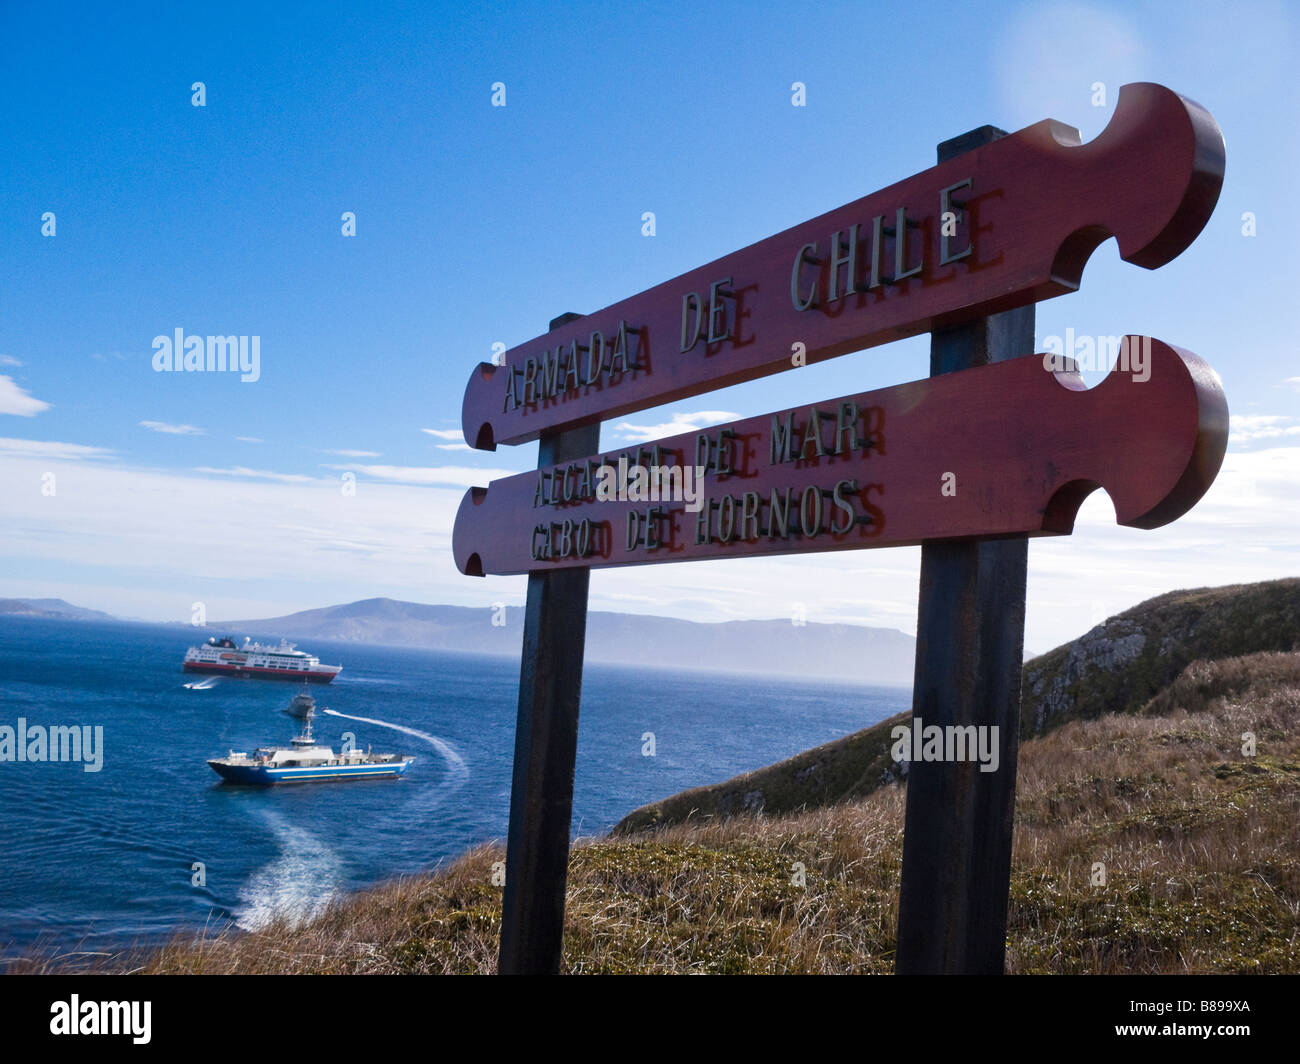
[{"x": 992, "y": 448}]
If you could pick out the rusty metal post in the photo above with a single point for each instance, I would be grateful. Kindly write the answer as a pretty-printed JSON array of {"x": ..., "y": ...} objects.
[
  {"x": 546, "y": 743},
  {"x": 952, "y": 912}
]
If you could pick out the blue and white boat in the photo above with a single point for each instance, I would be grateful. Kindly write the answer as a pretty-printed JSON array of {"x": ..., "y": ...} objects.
[{"x": 303, "y": 761}]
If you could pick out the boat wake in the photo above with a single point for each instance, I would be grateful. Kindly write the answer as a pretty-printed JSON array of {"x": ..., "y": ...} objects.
[
  {"x": 206, "y": 684},
  {"x": 455, "y": 763},
  {"x": 295, "y": 885}
]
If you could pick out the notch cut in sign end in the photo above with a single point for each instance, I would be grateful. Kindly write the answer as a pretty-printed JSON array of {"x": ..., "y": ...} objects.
[{"x": 1063, "y": 507}]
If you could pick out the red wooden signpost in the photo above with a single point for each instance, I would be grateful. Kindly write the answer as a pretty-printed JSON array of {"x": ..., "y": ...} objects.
[{"x": 991, "y": 449}]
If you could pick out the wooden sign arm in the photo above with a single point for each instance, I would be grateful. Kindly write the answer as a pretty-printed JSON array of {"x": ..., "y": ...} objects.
[
  {"x": 1001, "y": 450},
  {"x": 1001, "y": 226}
]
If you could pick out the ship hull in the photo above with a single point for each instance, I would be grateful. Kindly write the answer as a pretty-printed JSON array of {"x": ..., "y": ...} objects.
[
  {"x": 261, "y": 776},
  {"x": 258, "y": 673}
]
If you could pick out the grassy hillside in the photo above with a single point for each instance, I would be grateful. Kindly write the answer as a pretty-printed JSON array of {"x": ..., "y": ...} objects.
[
  {"x": 841, "y": 770},
  {"x": 1119, "y": 665},
  {"x": 1116, "y": 667},
  {"x": 1198, "y": 843}
]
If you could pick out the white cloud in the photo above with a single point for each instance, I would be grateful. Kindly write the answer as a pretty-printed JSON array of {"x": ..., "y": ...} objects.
[
  {"x": 172, "y": 430},
  {"x": 450, "y": 434},
  {"x": 353, "y": 454},
  {"x": 1243, "y": 428},
  {"x": 167, "y": 536},
  {"x": 248, "y": 439},
  {"x": 14, "y": 399},
  {"x": 1266, "y": 434},
  {"x": 260, "y": 474},
  {"x": 51, "y": 449},
  {"x": 1254, "y": 421},
  {"x": 1294, "y": 382},
  {"x": 9, "y": 360},
  {"x": 461, "y": 476},
  {"x": 677, "y": 424}
]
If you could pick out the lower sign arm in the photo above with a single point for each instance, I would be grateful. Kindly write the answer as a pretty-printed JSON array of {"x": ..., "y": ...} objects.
[{"x": 1010, "y": 449}]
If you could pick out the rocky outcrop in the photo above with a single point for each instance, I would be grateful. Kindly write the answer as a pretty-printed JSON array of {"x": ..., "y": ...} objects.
[
  {"x": 1109, "y": 647},
  {"x": 1120, "y": 665}
]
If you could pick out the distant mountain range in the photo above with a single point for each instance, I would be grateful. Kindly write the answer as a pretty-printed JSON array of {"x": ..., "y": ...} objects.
[
  {"x": 848, "y": 651},
  {"x": 841, "y": 651},
  {"x": 55, "y": 608}
]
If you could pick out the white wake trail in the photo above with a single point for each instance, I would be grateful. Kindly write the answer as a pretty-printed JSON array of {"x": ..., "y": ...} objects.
[
  {"x": 456, "y": 763},
  {"x": 296, "y": 884}
]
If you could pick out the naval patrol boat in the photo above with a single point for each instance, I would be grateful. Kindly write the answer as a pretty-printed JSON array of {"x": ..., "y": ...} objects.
[{"x": 302, "y": 705}]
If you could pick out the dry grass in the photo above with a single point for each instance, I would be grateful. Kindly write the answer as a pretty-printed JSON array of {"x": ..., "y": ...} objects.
[{"x": 1198, "y": 841}]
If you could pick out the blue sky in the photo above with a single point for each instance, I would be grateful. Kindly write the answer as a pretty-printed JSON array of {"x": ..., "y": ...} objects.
[{"x": 478, "y": 224}]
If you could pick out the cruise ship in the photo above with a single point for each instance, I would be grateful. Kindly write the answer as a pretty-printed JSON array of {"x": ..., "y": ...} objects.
[
  {"x": 303, "y": 761},
  {"x": 258, "y": 660}
]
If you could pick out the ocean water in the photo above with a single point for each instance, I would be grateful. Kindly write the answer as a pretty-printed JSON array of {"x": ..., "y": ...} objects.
[{"x": 99, "y": 860}]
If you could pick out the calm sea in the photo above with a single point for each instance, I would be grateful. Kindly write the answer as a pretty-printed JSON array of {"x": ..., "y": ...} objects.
[{"x": 96, "y": 860}]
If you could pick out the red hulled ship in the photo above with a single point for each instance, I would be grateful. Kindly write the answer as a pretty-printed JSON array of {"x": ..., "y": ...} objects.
[{"x": 259, "y": 661}]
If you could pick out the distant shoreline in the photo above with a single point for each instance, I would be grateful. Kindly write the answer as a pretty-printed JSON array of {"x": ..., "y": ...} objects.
[{"x": 790, "y": 647}]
